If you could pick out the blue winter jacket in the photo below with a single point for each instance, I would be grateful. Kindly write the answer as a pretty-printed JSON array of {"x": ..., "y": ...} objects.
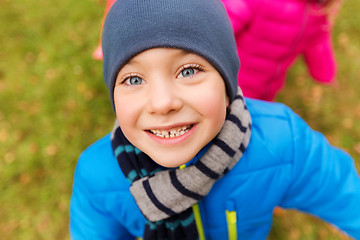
[{"x": 286, "y": 164}]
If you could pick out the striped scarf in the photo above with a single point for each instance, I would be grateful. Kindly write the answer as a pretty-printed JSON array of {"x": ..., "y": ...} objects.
[{"x": 165, "y": 196}]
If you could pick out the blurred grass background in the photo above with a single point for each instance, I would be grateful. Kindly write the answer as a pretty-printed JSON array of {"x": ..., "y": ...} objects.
[{"x": 53, "y": 104}]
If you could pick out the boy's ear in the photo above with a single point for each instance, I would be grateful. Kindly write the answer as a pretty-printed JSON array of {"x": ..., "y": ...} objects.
[{"x": 227, "y": 101}]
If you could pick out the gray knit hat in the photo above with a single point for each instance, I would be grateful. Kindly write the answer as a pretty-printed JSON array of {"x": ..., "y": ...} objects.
[{"x": 198, "y": 26}]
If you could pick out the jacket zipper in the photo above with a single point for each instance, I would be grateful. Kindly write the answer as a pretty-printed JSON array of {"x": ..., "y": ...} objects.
[
  {"x": 198, "y": 221},
  {"x": 231, "y": 220},
  {"x": 197, "y": 216},
  {"x": 231, "y": 224}
]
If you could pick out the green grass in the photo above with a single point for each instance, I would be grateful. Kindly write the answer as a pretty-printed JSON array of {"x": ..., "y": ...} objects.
[{"x": 54, "y": 104}]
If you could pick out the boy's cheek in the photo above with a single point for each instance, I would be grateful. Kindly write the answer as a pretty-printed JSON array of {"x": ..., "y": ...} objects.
[{"x": 124, "y": 114}]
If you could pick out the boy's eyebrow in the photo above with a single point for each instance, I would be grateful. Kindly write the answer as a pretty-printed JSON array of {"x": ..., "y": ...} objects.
[
  {"x": 131, "y": 61},
  {"x": 186, "y": 53}
]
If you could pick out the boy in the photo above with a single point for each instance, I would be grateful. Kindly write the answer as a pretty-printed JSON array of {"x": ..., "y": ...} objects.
[{"x": 189, "y": 158}]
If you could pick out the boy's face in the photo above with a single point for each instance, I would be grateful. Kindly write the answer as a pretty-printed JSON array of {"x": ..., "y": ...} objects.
[{"x": 170, "y": 103}]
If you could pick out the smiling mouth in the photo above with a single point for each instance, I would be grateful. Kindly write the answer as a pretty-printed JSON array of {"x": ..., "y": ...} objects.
[{"x": 172, "y": 133}]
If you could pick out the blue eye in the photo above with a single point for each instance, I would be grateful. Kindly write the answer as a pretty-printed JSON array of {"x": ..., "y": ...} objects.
[
  {"x": 187, "y": 72},
  {"x": 135, "y": 80}
]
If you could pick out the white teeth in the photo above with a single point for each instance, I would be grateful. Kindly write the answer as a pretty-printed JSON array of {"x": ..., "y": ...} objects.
[{"x": 172, "y": 132}]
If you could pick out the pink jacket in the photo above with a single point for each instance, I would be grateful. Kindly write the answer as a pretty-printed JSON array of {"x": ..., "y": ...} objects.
[{"x": 270, "y": 34}]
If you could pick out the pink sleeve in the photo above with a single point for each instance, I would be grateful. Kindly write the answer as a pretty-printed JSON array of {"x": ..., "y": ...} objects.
[
  {"x": 239, "y": 13},
  {"x": 321, "y": 61}
]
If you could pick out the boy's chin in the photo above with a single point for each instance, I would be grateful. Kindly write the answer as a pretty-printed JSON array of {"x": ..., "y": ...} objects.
[
  {"x": 173, "y": 156},
  {"x": 171, "y": 162}
]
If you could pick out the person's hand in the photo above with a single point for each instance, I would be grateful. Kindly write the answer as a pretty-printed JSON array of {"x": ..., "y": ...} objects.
[{"x": 97, "y": 54}]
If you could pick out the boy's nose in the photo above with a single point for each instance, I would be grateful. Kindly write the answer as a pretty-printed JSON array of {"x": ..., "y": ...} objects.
[{"x": 163, "y": 99}]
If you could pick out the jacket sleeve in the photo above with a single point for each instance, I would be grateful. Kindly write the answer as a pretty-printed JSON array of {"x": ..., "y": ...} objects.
[
  {"x": 325, "y": 181},
  {"x": 320, "y": 59},
  {"x": 239, "y": 12},
  {"x": 87, "y": 220}
]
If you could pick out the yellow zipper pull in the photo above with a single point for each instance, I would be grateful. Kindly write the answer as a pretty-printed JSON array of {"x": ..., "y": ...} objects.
[
  {"x": 182, "y": 166},
  {"x": 231, "y": 223}
]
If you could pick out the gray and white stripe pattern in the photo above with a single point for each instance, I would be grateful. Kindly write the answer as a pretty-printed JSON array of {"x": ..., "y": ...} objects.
[{"x": 172, "y": 191}]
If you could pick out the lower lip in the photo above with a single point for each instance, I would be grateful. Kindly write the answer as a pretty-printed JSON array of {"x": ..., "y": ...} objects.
[{"x": 174, "y": 140}]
